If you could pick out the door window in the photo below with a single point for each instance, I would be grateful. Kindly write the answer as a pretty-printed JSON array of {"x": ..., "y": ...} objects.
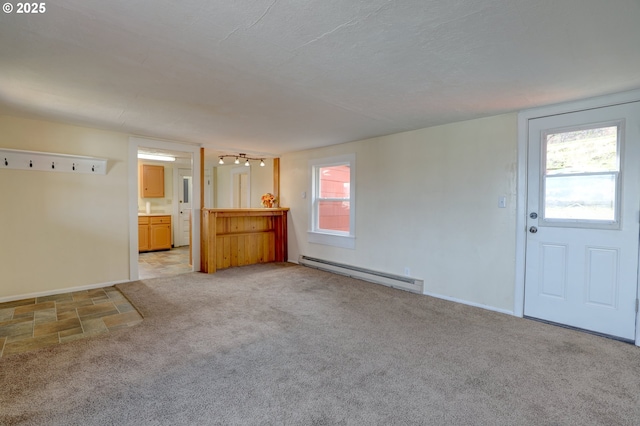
[{"x": 580, "y": 179}]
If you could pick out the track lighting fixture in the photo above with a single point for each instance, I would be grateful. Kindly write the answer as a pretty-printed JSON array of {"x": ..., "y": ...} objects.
[{"x": 240, "y": 157}]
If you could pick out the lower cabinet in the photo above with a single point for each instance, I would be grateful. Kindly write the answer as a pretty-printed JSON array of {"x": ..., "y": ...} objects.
[{"x": 154, "y": 233}]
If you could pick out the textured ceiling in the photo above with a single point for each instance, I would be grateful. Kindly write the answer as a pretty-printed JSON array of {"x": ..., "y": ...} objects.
[{"x": 273, "y": 76}]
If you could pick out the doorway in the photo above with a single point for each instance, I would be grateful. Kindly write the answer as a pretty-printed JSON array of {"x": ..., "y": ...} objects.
[
  {"x": 241, "y": 187},
  {"x": 183, "y": 220},
  {"x": 582, "y": 204},
  {"x": 193, "y": 152}
]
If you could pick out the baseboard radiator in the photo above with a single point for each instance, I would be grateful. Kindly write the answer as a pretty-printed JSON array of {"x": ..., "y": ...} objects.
[{"x": 390, "y": 280}]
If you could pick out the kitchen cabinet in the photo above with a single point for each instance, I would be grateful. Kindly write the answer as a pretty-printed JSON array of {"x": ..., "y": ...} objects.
[
  {"x": 154, "y": 232},
  {"x": 143, "y": 233},
  {"x": 151, "y": 181}
]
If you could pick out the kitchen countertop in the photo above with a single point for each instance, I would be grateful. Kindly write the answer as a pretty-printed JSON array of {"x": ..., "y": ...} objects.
[{"x": 154, "y": 214}]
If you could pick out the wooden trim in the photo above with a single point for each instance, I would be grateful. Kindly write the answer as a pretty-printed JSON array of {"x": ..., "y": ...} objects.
[
  {"x": 276, "y": 178},
  {"x": 191, "y": 239}
]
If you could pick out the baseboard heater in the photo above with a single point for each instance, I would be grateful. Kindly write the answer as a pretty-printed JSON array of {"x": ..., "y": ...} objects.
[{"x": 390, "y": 280}]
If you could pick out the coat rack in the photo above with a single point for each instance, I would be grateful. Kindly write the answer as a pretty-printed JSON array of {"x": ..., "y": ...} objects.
[{"x": 46, "y": 161}]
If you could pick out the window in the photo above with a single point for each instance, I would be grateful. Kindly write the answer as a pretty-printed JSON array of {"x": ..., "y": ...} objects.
[
  {"x": 332, "y": 218},
  {"x": 581, "y": 177}
]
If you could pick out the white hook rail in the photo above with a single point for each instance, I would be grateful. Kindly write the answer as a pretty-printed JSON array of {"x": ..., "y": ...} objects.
[{"x": 51, "y": 162}]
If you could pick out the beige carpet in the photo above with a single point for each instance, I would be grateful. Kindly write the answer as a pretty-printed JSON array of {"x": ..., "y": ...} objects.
[{"x": 284, "y": 344}]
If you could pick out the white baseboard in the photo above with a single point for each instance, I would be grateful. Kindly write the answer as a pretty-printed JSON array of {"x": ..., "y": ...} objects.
[
  {"x": 466, "y": 302},
  {"x": 59, "y": 291}
]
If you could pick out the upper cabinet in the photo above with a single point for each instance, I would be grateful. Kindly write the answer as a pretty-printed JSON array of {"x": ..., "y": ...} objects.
[{"x": 152, "y": 181}]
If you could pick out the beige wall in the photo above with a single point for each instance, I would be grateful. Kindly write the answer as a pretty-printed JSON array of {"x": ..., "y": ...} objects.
[
  {"x": 427, "y": 200},
  {"x": 62, "y": 230}
]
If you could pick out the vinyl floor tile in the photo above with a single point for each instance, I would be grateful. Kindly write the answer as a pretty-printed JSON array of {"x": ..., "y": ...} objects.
[
  {"x": 64, "y": 297},
  {"x": 97, "y": 311},
  {"x": 45, "y": 316},
  {"x": 34, "y": 307},
  {"x": 94, "y": 325},
  {"x": 54, "y": 327},
  {"x": 18, "y": 303},
  {"x": 31, "y": 324},
  {"x": 6, "y": 314}
]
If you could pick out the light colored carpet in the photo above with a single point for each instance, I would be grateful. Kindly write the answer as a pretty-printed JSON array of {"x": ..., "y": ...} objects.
[{"x": 284, "y": 344}]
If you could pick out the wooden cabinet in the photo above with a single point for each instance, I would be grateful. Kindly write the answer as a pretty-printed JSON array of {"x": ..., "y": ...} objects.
[
  {"x": 151, "y": 181},
  {"x": 154, "y": 233},
  {"x": 143, "y": 233}
]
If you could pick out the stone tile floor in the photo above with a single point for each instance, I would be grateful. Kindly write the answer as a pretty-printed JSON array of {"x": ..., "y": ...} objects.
[
  {"x": 155, "y": 264},
  {"x": 30, "y": 324}
]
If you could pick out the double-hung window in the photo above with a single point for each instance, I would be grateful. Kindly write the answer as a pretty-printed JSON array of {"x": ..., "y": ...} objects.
[{"x": 332, "y": 218}]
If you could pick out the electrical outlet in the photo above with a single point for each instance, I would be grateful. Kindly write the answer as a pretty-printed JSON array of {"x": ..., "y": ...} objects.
[{"x": 407, "y": 271}]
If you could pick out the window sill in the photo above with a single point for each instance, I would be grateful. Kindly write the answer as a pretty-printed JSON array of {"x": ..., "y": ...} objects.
[{"x": 343, "y": 241}]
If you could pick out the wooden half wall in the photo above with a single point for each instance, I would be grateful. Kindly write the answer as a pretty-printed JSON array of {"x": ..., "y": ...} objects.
[{"x": 238, "y": 237}]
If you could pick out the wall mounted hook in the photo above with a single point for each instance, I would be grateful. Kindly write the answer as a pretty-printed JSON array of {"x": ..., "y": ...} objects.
[{"x": 51, "y": 162}]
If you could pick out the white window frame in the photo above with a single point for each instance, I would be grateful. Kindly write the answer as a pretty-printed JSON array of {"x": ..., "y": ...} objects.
[
  {"x": 323, "y": 236},
  {"x": 583, "y": 223}
]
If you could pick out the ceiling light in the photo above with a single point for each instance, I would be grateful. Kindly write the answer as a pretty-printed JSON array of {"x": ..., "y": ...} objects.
[
  {"x": 156, "y": 157},
  {"x": 241, "y": 158}
]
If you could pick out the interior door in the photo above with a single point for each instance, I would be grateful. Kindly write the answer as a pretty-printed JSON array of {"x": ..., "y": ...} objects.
[
  {"x": 185, "y": 193},
  {"x": 241, "y": 188},
  {"x": 582, "y": 207}
]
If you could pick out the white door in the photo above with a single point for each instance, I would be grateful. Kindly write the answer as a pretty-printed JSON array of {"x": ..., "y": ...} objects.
[
  {"x": 241, "y": 187},
  {"x": 185, "y": 193},
  {"x": 582, "y": 208}
]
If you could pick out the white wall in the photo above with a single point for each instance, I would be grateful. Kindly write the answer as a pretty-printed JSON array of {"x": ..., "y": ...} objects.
[
  {"x": 427, "y": 200},
  {"x": 62, "y": 230}
]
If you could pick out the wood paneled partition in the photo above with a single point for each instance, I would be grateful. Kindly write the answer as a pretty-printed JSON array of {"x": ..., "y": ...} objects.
[{"x": 238, "y": 237}]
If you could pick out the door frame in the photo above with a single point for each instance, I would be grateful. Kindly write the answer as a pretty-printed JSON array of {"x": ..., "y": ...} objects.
[
  {"x": 134, "y": 144},
  {"x": 176, "y": 202},
  {"x": 521, "y": 186}
]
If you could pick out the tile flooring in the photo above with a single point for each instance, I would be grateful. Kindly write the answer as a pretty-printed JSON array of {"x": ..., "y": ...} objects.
[
  {"x": 30, "y": 324},
  {"x": 155, "y": 264}
]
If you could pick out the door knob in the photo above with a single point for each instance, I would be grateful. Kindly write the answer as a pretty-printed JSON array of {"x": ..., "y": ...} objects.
[{"x": 533, "y": 229}]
